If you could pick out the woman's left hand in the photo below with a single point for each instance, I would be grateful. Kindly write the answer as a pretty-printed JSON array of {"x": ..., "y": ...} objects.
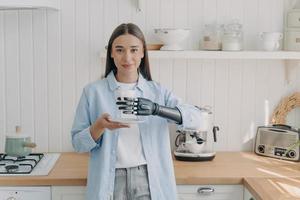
[{"x": 103, "y": 122}]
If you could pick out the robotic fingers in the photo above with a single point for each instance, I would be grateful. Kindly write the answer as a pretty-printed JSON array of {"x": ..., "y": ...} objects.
[{"x": 143, "y": 106}]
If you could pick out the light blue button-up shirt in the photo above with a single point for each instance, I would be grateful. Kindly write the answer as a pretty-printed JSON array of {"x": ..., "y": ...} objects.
[{"x": 98, "y": 98}]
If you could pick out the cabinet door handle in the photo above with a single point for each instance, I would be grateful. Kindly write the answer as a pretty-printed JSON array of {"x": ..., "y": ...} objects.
[{"x": 205, "y": 190}]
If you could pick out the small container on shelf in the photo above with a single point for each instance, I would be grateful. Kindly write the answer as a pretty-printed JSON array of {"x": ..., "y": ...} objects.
[
  {"x": 212, "y": 37},
  {"x": 233, "y": 37}
]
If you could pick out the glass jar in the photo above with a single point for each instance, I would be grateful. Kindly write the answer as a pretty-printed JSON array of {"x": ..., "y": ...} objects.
[
  {"x": 212, "y": 37},
  {"x": 233, "y": 37}
]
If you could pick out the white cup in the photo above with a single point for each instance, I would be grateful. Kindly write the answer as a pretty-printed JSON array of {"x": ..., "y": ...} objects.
[
  {"x": 120, "y": 95},
  {"x": 270, "y": 45},
  {"x": 274, "y": 36},
  {"x": 270, "y": 40}
]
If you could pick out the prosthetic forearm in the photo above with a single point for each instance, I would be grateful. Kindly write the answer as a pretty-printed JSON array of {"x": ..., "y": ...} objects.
[
  {"x": 169, "y": 113},
  {"x": 142, "y": 106}
]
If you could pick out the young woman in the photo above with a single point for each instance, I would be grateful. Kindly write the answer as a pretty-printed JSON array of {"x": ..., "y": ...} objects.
[{"x": 129, "y": 161}]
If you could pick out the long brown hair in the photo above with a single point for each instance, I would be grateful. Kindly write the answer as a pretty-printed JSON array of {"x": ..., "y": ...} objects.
[{"x": 134, "y": 30}]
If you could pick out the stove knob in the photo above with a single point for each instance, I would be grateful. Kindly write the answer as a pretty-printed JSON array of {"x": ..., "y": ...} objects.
[
  {"x": 11, "y": 198},
  {"x": 291, "y": 154},
  {"x": 261, "y": 148}
]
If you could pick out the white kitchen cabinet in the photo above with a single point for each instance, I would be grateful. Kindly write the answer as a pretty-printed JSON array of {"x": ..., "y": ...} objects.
[
  {"x": 210, "y": 192},
  {"x": 25, "y": 193},
  {"x": 68, "y": 192},
  {"x": 248, "y": 195},
  {"x": 185, "y": 192}
]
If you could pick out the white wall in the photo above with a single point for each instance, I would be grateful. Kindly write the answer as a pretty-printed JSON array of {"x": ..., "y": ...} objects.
[{"x": 46, "y": 57}]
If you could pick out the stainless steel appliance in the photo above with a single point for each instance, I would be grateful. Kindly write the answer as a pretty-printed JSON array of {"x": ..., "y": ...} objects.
[
  {"x": 278, "y": 141},
  {"x": 35, "y": 164},
  {"x": 197, "y": 144},
  {"x": 19, "y": 165}
]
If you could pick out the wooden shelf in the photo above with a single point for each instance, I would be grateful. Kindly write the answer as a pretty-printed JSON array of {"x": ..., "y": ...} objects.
[{"x": 278, "y": 55}]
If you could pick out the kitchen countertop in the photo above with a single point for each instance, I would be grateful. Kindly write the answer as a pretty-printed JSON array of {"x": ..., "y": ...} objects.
[
  {"x": 286, "y": 188},
  {"x": 265, "y": 178}
]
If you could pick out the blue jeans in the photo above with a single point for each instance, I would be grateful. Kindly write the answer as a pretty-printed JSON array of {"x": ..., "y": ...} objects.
[{"x": 132, "y": 184}]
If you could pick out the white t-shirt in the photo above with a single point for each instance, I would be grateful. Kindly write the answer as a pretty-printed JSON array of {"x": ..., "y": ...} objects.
[{"x": 129, "y": 150}]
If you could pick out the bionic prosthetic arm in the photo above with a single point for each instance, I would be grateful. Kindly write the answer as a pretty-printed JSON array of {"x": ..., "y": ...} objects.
[{"x": 142, "y": 106}]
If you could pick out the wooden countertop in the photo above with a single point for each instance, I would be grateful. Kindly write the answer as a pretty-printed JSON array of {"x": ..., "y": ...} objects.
[
  {"x": 266, "y": 178},
  {"x": 232, "y": 168},
  {"x": 286, "y": 188}
]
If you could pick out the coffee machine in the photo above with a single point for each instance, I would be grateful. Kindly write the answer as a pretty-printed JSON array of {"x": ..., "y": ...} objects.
[{"x": 197, "y": 144}]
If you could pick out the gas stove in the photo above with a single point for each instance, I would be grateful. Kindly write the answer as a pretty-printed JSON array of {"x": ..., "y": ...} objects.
[{"x": 35, "y": 164}]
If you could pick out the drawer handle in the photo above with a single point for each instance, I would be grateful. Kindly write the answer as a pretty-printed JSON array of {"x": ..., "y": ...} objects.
[{"x": 205, "y": 190}]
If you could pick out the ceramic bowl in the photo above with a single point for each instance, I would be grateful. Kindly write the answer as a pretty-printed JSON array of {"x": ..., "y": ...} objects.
[{"x": 171, "y": 38}]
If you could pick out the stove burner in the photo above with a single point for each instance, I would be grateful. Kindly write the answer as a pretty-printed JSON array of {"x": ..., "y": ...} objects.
[
  {"x": 19, "y": 165},
  {"x": 11, "y": 168}
]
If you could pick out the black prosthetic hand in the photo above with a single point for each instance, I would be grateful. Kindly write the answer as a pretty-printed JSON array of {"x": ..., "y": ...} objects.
[{"x": 142, "y": 106}]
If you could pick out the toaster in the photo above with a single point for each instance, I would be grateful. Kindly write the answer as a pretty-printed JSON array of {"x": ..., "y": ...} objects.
[{"x": 278, "y": 141}]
